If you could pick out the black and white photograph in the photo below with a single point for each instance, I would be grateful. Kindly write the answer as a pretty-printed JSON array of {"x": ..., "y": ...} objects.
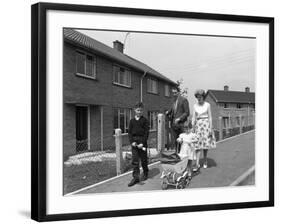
[
  {"x": 142, "y": 112},
  {"x": 151, "y": 111},
  {"x": 121, "y": 111}
]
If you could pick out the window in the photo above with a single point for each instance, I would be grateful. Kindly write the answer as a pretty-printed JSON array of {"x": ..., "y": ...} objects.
[
  {"x": 167, "y": 90},
  {"x": 85, "y": 64},
  {"x": 121, "y": 76},
  {"x": 152, "y": 85},
  {"x": 121, "y": 119},
  {"x": 225, "y": 105},
  {"x": 238, "y": 105},
  {"x": 152, "y": 118},
  {"x": 225, "y": 122},
  {"x": 242, "y": 121},
  {"x": 237, "y": 121}
]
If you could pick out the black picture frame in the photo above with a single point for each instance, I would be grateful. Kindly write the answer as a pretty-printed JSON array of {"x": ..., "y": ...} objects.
[{"x": 39, "y": 122}]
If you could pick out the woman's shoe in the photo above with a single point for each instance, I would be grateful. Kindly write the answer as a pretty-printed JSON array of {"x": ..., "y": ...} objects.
[
  {"x": 205, "y": 165},
  {"x": 196, "y": 168}
]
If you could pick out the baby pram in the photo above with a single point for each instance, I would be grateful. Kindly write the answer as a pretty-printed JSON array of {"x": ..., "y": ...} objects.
[{"x": 174, "y": 170}]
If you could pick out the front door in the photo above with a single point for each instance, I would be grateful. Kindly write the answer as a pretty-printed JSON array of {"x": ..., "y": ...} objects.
[{"x": 81, "y": 128}]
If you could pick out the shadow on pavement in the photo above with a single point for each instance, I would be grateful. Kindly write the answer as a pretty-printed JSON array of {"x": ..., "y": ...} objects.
[
  {"x": 153, "y": 172},
  {"x": 210, "y": 161}
]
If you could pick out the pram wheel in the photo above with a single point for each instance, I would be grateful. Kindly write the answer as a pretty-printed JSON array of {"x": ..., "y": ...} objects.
[
  {"x": 182, "y": 184},
  {"x": 164, "y": 185},
  {"x": 187, "y": 182}
]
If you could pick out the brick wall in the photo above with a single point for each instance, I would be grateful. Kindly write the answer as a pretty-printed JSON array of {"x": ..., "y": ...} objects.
[
  {"x": 80, "y": 89},
  {"x": 232, "y": 111},
  {"x": 101, "y": 93},
  {"x": 156, "y": 102},
  {"x": 69, "y": 130}
]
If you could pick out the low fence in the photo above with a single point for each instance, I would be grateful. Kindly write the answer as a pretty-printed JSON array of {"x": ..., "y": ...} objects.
[
  {"x": 232, "y": 126},
  {"x": 162, "y": 138},
  {"x": 226, "y": 133}
]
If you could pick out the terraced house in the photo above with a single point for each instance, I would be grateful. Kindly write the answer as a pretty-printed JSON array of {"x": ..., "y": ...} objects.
[
  {"x": 234, "y": 107},
  {"x": 101, "y": 85}
]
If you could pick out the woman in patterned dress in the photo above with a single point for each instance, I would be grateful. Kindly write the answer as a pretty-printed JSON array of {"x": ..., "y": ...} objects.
[{"x": 202, "y": 123}]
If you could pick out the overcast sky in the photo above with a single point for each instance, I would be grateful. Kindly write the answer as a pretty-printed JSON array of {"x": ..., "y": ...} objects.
[{"x": 202, "y": 62}]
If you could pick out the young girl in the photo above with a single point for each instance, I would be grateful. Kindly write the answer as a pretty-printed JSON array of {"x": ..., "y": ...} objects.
[{"x": 188, "y": 140}]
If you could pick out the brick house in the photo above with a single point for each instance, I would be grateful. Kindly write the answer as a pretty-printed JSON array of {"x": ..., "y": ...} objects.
[
  {"x": 232, "y": 107},
  {"x": 100, "y": 87}
]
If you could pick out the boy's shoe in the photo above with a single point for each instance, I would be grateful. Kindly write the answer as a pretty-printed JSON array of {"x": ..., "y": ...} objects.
[
  {"x": 133, "y": 182},
  {"x": 144, "y": 177}
]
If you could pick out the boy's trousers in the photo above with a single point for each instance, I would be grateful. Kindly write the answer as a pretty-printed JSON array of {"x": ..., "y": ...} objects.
[{"x": 139, "y": 154}]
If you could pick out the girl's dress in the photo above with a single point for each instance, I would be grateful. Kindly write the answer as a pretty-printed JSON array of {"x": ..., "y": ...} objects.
[
  {"x": 202, "y": 126},
  {"x": 188, "y": 145}
]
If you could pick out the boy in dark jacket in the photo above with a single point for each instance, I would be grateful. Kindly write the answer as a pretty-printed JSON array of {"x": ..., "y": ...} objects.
[{"x": 138, "y": 135}]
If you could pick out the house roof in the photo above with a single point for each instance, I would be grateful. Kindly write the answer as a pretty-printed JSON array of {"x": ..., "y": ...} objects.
[
  {"x": 83, "y": 40},
  {"x": 232, "y": 96}
]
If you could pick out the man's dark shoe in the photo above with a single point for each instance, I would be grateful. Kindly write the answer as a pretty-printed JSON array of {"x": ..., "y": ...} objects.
[
  {"x": 144, "y": 177},
  {"x": 133, "y": 182}
]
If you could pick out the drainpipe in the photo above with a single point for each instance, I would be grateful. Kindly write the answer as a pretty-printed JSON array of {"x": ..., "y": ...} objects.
[
  {"x": 248, "y": 113},
  {"x": 144, "y": 74}
]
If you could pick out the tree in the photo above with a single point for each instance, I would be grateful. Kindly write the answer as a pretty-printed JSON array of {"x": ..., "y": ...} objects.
[{"x": 183, "y": 90}]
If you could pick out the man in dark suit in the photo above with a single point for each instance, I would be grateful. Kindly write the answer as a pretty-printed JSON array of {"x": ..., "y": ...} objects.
[{"x": 178, "y": 114}]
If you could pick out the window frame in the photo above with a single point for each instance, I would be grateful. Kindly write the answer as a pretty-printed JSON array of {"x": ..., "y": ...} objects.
[
  {"x": 238, "y": 105},
  {"x": 94, "y": 64},
  {"x": 157, "y": 85},
  {"x": 118, "y": 79},
  {"x": 126, "y": 124},
  {"x": 226, "y": 121},
  {"x": 149, "y": 119},
  {"x": 167, "y": 91},
  {"x": 238, "y": 121}
]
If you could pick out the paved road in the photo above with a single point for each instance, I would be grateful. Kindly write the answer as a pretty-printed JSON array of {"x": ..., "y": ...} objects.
[{"x": 227, "y": 162}]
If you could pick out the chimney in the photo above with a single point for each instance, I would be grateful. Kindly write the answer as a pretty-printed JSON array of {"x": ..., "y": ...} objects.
[
  {"x": 247, "y": 89},
  {"x": 117, "y": 45},
  {"x": 225, "y": 88}
]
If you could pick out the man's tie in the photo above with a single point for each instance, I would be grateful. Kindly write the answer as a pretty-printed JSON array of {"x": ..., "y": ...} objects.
[{"x": 175, "y": 106}]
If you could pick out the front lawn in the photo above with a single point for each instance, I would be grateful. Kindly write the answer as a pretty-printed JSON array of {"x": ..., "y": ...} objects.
[{"x": 79, "y": 176}]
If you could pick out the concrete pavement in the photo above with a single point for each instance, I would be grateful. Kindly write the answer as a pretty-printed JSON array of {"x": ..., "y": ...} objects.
[{"x": 227, "y": 162}]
